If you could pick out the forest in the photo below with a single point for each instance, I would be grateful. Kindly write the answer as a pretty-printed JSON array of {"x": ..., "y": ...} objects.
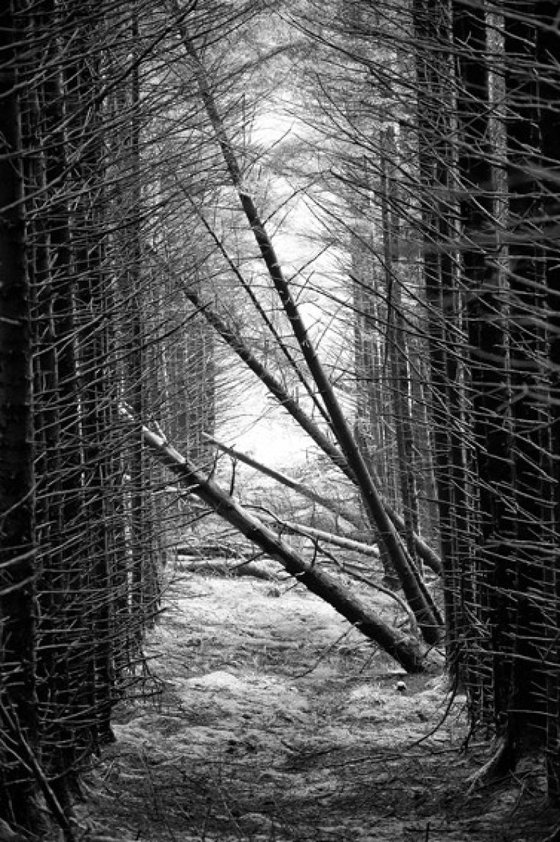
[{"x": 280, "y": 299}]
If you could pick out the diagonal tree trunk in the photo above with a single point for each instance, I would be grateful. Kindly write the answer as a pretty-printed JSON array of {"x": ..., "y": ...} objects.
[
  {"x": 425, "y": 552},
  {"x": 274, "y": 386},
  {"x": 404, "y": 650},
  {"x": 291, "y": 406},
  {"x": 326, "y": 502},
  {"x": 277, "y": 389}
]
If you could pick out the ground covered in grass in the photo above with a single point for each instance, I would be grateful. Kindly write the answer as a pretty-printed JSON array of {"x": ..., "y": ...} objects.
[{"x": 274, "y": 720}]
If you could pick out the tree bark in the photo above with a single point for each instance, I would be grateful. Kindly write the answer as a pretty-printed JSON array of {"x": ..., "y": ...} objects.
[
  {"x": 445, "y": 331},
  {"x": 396, "y": 343}
]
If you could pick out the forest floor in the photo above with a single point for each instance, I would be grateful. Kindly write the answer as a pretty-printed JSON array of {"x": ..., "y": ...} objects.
[{"x": 275, "y": 721}]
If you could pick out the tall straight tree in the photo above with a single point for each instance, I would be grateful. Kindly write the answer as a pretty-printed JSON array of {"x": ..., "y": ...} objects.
[
  {"x": 18, "y": 715},
  {"x": 445, "y": 328},
  {"x": 397, "y": 350},
  {"x": 548, "y": 59},
  {"x": 485, "y": 315},
  {"x": 532, "y": 528}
]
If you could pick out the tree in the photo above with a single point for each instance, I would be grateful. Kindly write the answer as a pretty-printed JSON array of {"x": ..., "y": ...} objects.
[
  {"x": 61, "y": 652},
  {"x": 18, "y": 715},
  {"x": 499, "y": 618}
]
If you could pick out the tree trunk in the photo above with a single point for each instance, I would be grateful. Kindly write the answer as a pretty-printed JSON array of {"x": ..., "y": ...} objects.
[
  {"x": 327, "y": 502},
  {"x": 396, "y": 344},
  {"x": 18, "y": 609},
  {"x": 445, "y": 331},
  {"x": 548, "y": 54},
  {"x": 403, "y": 649}
]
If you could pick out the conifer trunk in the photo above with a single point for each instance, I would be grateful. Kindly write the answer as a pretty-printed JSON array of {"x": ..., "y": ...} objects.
[{"x": 17, "y": 531}]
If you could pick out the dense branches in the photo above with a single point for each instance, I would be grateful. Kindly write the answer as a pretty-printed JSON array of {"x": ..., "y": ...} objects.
[{"x": 349, "y": 208}]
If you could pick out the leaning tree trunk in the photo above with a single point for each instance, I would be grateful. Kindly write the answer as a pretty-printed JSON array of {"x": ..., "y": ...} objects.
[
  {"x": 404, "y": 650},
  {"x": 424, "y": 551}
]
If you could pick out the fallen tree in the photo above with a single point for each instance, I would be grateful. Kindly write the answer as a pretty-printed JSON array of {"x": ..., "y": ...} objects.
[
  {"x": 404, "y": 649},
  {"x": 425, "y": 552},
  {"x": 315, "y": 534},
  {"x": 326, "y": 502},
  {"x": 221, "y": 567}
]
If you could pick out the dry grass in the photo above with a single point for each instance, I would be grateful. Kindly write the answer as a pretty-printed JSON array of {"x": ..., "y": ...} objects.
[{"x": 278, "y": 722}]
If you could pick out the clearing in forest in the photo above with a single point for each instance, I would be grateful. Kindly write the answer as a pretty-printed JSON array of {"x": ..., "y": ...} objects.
[{"x": 275, "y": 720}]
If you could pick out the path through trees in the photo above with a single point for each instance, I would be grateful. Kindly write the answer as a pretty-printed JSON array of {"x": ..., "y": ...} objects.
[
  {"x": 226, "y": 227},
  {"x": 292, "y": 728}
]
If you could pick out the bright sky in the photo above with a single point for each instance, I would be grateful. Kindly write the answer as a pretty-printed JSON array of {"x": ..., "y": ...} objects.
[{"x": 270, "y": 437}]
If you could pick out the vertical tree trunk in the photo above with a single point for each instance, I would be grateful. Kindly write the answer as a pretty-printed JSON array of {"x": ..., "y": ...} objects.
[
  {"x": 18, "y": 714},
  {"x": 510, "y": 346},
  {"x": 397, "y": 345},
  {"x": 87, "y": 662},
  {"x": 548, "y": 56},
  {"x": 445, "y": 331},
  {"x": 57, "y": 405},
  {"x": 129, "y": 244},
  {"x": 371, "y": 423},
  {"x": 532, "y": 510}
]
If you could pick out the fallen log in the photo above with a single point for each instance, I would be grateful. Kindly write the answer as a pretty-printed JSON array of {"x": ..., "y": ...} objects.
[
  {"x": 320, "y": 535},
  {"x": 404, "y": 649},
  {"x": 221, "y": 567},
  {"x": 329, "y": 504},
  {"x": 224, "y": 550},
  {"x": 425, "y": 552}
]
